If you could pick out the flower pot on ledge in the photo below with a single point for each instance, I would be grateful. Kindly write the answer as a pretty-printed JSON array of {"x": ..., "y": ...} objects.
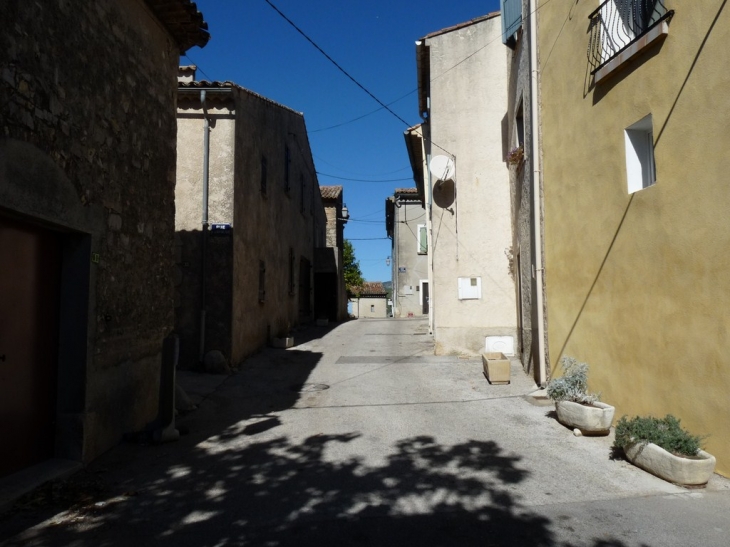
[
  {"x": 592, "y": 420},
  {"x": 686, "y": 471}
]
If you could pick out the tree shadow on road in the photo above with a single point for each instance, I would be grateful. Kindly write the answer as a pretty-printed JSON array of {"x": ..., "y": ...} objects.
[{"x": 235, "y": 480}]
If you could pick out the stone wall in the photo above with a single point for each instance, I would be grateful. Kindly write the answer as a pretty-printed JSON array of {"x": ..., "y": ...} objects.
[
  {"x": 521, "y": 184},
  {"x": 91, "y": 86}
]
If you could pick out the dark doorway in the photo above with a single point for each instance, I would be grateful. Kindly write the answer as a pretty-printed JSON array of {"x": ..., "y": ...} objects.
[
  {"x": 29, "y": 311},
  {"x": 424, "y": 296},
  {"x": 305, "y": 288},
  {"x": 325, "y": 295}
]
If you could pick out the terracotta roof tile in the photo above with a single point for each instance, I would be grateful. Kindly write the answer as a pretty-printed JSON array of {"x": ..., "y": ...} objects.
[
  {"x": 222, "y": 85},
  {"x": 373, "y": 288},
  {"x": 184, "y": 21},
  {"x": 330, "y": 192}
]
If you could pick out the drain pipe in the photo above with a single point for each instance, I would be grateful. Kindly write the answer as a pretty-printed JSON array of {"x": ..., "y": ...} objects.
[
  {"x": 537, "y": 202},
  {"x": 204, "y": 234}
]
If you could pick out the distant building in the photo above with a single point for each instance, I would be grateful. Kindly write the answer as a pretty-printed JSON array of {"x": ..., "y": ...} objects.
[
  {"x": 405, "y": 220},
  {"x": 87, "y": 221},
  {"x": 245, "y": 260},
  {"x": 371, "y": 301}
]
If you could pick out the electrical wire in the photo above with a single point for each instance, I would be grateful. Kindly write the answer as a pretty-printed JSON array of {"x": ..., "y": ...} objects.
[
  {"x": 362, "y": 180},
  {"x": 331, "y": 60}
]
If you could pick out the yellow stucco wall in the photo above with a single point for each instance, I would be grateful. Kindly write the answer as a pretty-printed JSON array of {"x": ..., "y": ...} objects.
[{"x": 638, "y": 285}]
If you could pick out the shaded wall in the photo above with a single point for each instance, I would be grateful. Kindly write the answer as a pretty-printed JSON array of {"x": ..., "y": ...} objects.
[
  {"x": 274, "y": 229},
  {"x": 88, "y": 90}
]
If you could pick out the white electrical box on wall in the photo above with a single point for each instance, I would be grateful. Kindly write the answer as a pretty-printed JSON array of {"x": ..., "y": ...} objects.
[{"x": 470, "y": 288}]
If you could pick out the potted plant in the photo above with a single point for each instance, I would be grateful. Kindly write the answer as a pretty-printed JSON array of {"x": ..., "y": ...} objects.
[
  {"x": 662, "y": 447},
  {"x": 576, "y": 408},
  {"x": 516, "y": 155}
]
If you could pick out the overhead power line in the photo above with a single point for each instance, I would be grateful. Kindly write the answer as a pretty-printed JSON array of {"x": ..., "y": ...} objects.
[
  {"x": 331, "y": 60},
  {"x": 363, "y": 180}
]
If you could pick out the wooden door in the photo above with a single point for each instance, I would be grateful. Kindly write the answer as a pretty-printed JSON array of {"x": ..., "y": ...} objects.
[{"x": 30, "y": 259}]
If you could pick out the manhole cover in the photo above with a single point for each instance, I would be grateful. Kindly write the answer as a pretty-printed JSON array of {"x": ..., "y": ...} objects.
[{"x": 309, "y": 387}]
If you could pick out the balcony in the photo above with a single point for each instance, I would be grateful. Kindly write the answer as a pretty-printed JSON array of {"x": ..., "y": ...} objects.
[{"x": 620, "y": 29}]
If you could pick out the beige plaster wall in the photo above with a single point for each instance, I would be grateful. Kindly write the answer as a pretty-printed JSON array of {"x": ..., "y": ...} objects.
[
  {"x": 472, "y": 236},
  {"x": 361, "y": 307},
  {"x": 189, "y": 185},
  {"x": 637, "y": 285},
  {"x": 407, "y": 298}
]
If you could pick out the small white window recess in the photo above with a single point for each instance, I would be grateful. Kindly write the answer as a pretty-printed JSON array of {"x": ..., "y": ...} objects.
[
  {"x": 470, "y": 288},
  {"x": 640, "y": 166}
]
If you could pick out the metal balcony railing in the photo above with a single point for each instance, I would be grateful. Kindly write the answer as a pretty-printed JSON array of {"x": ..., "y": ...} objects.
[{"x": 616, "y": 24}]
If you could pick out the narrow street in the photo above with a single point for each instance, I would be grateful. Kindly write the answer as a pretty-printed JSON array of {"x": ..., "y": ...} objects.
[{"x": 364, "y": 437}]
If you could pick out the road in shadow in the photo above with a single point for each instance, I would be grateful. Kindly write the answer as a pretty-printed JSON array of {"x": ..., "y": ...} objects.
[{"x": 235, "y": 480}]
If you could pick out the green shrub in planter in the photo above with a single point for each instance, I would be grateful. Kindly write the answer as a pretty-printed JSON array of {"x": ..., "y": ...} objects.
[
  {"x": 573, "y": 384},
  {"x": 664, "y": 432}
]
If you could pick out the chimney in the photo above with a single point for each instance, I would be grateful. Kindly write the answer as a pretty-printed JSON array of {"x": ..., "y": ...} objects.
[{"x": 186, "y": 74}]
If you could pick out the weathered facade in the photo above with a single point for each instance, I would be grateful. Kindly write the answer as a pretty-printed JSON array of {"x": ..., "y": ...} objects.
[
  {"x": 520, "y": 133},
  {"x": 405, "y": 219},
  {"x": 371, "y": 302},
  {"x": 87, "y": 178},
  {"x": 462, "y": 75},
  {"x": 249, "y": 216},
  {"x": 635, "y": 229},
  {"x": 329, "y": 275}
]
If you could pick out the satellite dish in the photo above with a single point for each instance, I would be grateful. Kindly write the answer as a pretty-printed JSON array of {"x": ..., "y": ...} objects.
[{"x": 442, "y": 168}]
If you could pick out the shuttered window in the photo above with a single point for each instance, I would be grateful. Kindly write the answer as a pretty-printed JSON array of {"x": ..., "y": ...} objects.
[{"x": 511, "y": 18}]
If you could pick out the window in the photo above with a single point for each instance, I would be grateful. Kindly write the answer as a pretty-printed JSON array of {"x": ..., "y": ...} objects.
[
  {"x": 262, "y": 281},
  {"x": 640, "y": 166},
  {"x": 615, "y": 27},
  {"x": 287, "y": 164},
  {"x": 520, "y": 126},
  {"x": 422, "y": 239},
  {"x": 263, "y": 174},
  {"x": 511, "y": 20},
  {"x": 372, "y": 308}
]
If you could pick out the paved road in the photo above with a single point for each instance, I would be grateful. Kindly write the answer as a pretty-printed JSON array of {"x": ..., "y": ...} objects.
[{"x": 363, "y": 437}]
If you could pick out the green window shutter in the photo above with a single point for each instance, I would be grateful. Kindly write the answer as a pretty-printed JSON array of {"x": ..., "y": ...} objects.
[{"x": 422, "y": 239}]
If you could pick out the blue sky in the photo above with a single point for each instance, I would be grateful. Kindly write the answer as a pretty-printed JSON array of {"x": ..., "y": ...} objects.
[{"x": 374, "y": 41}]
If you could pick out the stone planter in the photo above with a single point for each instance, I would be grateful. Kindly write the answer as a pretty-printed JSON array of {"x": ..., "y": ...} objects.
[
  {"x": 692, "y": 471},
  {"x": 282, "y": 343},
  {"x": 593, "y": 420},
  {"x": 496, "y": 367}
]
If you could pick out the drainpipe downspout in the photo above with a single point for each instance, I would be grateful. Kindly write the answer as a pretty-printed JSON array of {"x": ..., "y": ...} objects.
[
  {"x": 204, "y": 234},
  {"x": 537, "y": 201}
]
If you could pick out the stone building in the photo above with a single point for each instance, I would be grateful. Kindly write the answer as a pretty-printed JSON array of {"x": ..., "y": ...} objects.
[
  {"x": 523, "y": 162},
  {"x": 87, "y": 181},
  {"x": 405, "y": 220},
  {"x": 457, "y": 158},
  {"x": 329, "y": 276},
  {"x": 371, "y": 301},
  {"x": 249, "y": 217}
]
